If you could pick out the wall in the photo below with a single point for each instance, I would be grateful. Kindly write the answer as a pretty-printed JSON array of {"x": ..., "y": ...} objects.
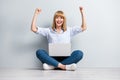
[{"x": 100, "y": 43}]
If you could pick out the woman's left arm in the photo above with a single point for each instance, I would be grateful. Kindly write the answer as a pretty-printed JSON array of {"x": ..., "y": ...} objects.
[{"x": 83, "y": 26}]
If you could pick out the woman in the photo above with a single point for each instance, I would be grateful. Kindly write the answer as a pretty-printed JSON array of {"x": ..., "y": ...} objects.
[{"x": 58, "y": 33}]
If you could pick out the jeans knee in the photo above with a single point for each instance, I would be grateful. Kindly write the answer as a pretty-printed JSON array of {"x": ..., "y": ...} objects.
[
  {"x": 79, "y": 54},
  {"x": 39, "y": 52}
]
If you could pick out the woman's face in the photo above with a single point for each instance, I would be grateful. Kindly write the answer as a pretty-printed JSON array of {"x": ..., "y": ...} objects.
[{"x": 59, "y": 21}]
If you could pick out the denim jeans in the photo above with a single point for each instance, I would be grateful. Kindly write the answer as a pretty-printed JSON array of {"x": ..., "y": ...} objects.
[{"x": 44, "y": 57}]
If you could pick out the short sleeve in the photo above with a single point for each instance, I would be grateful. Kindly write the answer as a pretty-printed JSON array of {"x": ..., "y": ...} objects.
[
  {"x": 75, "y": 30},
  {"x": 42, "y": 31}
]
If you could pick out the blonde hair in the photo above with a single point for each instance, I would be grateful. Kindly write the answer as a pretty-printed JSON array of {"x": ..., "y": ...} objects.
[{"x": 61, "y": 14}]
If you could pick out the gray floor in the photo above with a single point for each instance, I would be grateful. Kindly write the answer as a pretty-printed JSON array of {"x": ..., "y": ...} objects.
[{"x": 79, "y": 74}]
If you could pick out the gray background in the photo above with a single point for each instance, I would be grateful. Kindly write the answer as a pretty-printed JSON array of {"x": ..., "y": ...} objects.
[{"x": 100, "y": 42}]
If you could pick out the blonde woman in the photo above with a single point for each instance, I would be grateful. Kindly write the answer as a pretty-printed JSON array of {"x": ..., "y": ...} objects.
[{"x": 58, "y": 33}]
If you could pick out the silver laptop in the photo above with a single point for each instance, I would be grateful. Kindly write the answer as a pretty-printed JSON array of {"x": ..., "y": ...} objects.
[{"x": 60, "y": 49}]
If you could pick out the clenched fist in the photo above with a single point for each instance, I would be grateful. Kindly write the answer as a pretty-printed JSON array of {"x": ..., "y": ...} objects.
[
  {"x": 81, "y": 9},
  {"x": 37, "y": 11}
]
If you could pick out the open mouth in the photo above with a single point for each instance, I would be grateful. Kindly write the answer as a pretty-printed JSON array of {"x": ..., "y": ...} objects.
[{"x": 59, "y": 22}]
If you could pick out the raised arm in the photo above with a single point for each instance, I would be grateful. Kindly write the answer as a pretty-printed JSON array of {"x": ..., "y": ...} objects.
[
  {"x": 33, "y": 24},
  {"x": 83, "y": 26}
]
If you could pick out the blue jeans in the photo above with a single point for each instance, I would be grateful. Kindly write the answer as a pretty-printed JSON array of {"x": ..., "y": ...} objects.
[{"x": 43, "y": 56}]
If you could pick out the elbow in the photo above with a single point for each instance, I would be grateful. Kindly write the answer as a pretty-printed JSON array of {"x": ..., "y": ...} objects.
[
  {"x": 33, "y": 29},
  {"x": 84, "y": 28}
]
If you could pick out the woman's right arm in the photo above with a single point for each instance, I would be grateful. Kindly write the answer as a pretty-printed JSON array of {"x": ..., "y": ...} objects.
[{"x": 33, "y": 24}]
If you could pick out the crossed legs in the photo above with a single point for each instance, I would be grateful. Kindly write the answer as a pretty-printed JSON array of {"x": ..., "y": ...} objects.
[{"x": 43, "y": 56}]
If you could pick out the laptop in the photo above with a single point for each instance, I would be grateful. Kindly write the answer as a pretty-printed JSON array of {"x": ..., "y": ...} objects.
[{"x": 59, "y": 49}]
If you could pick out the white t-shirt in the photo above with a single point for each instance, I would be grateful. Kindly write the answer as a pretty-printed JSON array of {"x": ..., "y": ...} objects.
[{"x": 62, "y": 37}]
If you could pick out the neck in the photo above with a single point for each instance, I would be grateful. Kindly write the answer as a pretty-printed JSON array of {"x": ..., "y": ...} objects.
[{"x": 58, "y": 29}]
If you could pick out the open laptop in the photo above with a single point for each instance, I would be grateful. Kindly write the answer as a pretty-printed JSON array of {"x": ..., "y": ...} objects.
[{"x": 60, "y": 49}]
